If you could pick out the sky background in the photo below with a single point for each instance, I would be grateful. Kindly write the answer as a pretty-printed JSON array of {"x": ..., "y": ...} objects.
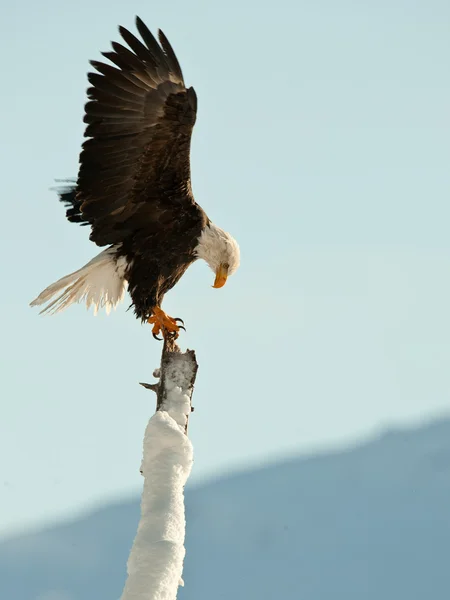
[{"x": 322, "y": 143}]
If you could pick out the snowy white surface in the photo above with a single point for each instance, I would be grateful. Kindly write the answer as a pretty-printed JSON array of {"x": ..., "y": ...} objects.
[{"x": 155, "y": 564}]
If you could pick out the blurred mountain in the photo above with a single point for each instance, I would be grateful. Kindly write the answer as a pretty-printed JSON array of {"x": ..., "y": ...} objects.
[{"x": 371, "y": 522}]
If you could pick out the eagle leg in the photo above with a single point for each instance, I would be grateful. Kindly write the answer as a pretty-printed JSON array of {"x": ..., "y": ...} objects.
[{"x": 164, "y": 324}]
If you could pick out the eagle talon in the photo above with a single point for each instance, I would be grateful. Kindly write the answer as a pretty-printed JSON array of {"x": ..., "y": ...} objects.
[
  {"x": 178, "y": 319},
  {"x": 156, "y": 337},
  {"x": 164, "y": 324}
]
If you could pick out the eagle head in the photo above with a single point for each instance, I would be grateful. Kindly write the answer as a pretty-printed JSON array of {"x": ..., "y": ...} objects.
[{"x": 220, "y": 250}]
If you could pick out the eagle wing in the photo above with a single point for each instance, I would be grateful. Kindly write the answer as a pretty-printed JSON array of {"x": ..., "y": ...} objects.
[{"x": 135, "y": 168}]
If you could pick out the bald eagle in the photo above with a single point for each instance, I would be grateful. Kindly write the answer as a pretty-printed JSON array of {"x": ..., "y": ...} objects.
[{"x": 134, "y": 187}]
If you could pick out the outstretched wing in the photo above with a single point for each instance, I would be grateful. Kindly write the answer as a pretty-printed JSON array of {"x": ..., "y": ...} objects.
[{"x": 135, "y": 168}]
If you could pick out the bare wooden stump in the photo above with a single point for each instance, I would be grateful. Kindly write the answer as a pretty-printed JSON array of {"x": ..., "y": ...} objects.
[
  {"x": 155, "y": 564},
  {"x": 177, "y": 366}
]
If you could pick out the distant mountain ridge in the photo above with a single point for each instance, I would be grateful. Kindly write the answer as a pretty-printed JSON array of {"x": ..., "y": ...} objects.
[{"x": 368, "y": 523}]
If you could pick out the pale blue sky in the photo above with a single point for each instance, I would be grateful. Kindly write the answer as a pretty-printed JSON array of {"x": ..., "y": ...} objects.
[{"x": 322, "y": 144}]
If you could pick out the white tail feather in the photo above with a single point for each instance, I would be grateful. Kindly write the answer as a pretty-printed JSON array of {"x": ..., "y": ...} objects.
[{"x": 100, "y": 283}]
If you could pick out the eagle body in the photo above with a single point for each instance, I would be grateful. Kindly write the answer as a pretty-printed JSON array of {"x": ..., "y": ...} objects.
[
  {"x": 134, "y": 185},
  {"x": 157, "y": 262}
]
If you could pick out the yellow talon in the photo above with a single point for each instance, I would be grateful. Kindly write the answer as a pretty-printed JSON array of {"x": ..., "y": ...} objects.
[{"x": 162, "y": 323}]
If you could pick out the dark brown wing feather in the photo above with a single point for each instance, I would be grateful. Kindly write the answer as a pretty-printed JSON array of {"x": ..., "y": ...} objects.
[{"x": 139, "y": 120}]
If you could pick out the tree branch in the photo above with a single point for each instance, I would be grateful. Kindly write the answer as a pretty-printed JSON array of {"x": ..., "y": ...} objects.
[
  {"x": 155, "y": 564},
  {"x": 177, "y": 365}
]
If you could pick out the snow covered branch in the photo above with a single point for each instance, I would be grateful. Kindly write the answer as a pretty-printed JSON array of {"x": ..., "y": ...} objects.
[{"x": 156, "y": 559}]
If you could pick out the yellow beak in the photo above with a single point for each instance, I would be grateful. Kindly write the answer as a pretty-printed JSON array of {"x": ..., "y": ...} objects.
[{"x": 221, "y": 277}]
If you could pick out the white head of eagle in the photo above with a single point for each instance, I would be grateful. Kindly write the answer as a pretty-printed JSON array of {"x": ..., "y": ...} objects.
[
  {"x": 220, "y": 250},
  {"x": 134, "y": 187}
]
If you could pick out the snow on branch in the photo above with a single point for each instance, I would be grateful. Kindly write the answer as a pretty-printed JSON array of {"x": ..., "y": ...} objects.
[{"x": 156, "y": 559}]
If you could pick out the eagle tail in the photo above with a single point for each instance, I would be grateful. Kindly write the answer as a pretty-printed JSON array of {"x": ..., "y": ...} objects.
[{"x": 101, "y": 283}]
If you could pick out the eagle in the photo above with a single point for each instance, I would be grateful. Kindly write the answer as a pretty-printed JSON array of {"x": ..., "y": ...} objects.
[{"x": 134, "y": 187}]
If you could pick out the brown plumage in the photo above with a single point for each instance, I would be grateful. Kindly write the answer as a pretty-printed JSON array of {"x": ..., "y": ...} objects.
[{"x": 134, "y": 185}]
